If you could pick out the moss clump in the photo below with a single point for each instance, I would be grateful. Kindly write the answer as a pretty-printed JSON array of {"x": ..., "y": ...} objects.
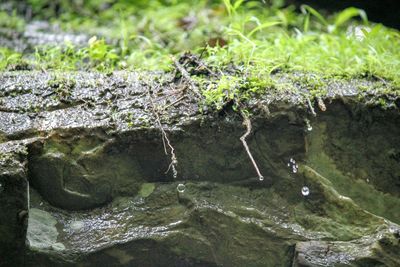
[{"x": 146, "y": 189}]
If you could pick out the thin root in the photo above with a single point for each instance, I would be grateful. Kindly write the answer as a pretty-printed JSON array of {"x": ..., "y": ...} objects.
[
  {"x": 165, "y": 139},
  {"x": 247, "y": 123},
  {"x": 311, "y": 107}
]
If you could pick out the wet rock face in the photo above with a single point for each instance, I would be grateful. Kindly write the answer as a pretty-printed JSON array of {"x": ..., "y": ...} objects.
[
  {"x": 81, "y": 172},
  {"x": 361, "y": 147},
  {"x": 366, "y": 251},
  {"x": 89, "y": 169},
  {"x": 14, "y": 202},
  {"x": 364, "y": 150}
]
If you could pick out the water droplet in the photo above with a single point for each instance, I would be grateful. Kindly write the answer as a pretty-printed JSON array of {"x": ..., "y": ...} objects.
[
  {"x": 261, "y": 178},
  {"x": 308, "y": 125},
  {"x": 305, "y": 191},
  {"x": 294, "y": 169},
  {"x": 1, "y": 188},
  {"x": 181, "y": 188},
  {"x": 292, "y": 160},
  {"x": 288, "y": 164}
]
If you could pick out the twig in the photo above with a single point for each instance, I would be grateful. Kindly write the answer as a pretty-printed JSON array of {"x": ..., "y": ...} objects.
[
  {"x": 165, "y": 139},
  {"x": 186, "y": 76},
  {"x": 311, "y": 107},
  {"x": 247, "y": 123},
  {"x": 174, "y": 103}
]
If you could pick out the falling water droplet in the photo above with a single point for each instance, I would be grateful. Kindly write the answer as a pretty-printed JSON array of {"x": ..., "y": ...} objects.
[
  {"x": 305, "y": 191},
  {"x": 308, "y": 125},
  {"x": 261, "y": 178},
  {"x": 181, "y": 188}
]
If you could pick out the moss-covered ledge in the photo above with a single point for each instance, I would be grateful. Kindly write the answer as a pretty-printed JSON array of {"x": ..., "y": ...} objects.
[{"x": 90, "y": 146}]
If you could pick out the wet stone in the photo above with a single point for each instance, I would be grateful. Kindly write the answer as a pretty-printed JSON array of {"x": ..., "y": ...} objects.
[{"x": 100, "y": 193}]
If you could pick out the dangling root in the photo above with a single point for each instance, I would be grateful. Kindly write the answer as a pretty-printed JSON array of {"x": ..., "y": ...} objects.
[
  {"x": 165, "y": 140},
  {"x": 247, "y": 123},
  {"x": 311, "y": 107},
  {"x": 321, "y": 104}
]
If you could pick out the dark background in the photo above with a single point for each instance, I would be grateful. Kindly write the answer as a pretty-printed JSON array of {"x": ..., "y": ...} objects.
[{"x": 384, "y": 11}]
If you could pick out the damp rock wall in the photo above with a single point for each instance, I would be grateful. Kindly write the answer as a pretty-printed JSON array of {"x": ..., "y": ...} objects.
[{"x": 86, "y": 176}]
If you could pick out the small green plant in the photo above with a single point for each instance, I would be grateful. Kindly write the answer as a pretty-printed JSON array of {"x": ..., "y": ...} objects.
[
  {"x": 339, "y": 19},
  {"x": 225, "y": 90},
  {"x": 101, "y": 54},
  {"x": 232, "y": 6},
  {"x": 62, "y": 86},
  {"x": 11, "y": 60}
]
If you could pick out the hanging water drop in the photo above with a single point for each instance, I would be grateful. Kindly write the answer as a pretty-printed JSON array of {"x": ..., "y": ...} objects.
[
  {"x": 305, "y": 191},
  {"x": 181, "y": 188},
  {"x": 292, "y": 160},
  {"x": 261, "y": 178},
  {"x": 294, "y": 169},
  {"x": 308, "y": 125},
  {"x": 174, "y": 172}
]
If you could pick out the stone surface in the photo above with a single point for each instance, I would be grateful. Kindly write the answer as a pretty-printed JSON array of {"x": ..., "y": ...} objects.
[
  {"x": 101, "y": 191},
  {"x": 378, "y": 250},
  {"x": 42, "y": 232}
]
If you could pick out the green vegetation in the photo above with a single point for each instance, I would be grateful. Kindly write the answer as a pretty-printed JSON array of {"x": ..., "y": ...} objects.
[
  {"x": 11, "y": 21},
  {"x": 9, "y": 59},
  {"x": 242, "y": 41}
]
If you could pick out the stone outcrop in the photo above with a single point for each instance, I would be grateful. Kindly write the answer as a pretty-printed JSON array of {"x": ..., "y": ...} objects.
[{"x": 86, "y": 179}]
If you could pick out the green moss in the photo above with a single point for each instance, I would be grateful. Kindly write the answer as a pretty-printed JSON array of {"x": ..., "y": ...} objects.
[
  {"x": 242, "y": 41},
  {"x": 55, "y": 146},
  {"x": 146, "y": 189},
  {"x": 85, "y": 145}
]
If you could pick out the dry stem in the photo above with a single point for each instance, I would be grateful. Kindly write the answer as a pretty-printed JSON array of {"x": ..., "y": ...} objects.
[{"x": 186, "y": 76}]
